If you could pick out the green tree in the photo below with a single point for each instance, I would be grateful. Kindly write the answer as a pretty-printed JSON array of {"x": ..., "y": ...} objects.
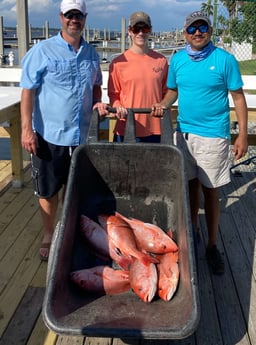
[
  {"x": 207, "y": 7},
  {"x": 243, "y": 28},
  {"x": 232, "y": 7}
]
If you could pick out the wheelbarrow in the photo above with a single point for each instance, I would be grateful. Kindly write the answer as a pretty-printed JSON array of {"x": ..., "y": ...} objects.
[{"x": 141, "y": 180}]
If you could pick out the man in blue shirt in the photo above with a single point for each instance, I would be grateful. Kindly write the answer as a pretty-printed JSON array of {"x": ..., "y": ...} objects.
[
  {"x": 61, "y": 81},
  {"x": 200, "y": 77}
]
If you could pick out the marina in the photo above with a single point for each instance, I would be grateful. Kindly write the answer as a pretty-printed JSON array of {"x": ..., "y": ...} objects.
[
  {"x": 107, "y": 43},
  {"x": 227, "y": 303}
]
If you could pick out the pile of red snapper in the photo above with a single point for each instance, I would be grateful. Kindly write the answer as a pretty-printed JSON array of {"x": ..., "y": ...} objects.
[{"x": 146, "y": 255}]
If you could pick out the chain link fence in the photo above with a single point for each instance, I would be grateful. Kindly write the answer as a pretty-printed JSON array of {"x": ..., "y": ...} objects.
[{"x": 234, "y": 29}]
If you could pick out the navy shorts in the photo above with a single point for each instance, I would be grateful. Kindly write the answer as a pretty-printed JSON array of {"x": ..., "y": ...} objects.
[{"x": 50, "y": 168}]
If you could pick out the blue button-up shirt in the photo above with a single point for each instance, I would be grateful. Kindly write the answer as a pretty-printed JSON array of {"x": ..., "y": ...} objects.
[{"x": 64, "y": 81}]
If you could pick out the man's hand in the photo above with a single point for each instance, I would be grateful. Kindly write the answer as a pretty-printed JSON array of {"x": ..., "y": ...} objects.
[
  {"x": 102, "y": 108},
  {"x": 29, "y": 141},
  {"x": 157, "y": 110}
]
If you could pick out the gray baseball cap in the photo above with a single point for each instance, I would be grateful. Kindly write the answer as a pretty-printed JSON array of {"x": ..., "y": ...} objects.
[
  {"x": 139, "y": 17},
  {"x": 195, "y": 16}
]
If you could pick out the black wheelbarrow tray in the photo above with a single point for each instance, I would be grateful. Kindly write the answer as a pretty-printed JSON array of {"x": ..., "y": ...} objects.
[{"x": 142, "y": 180}]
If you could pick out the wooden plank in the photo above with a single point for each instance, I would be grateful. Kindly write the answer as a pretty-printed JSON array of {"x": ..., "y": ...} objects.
[
  {"x": 244, "y": 216},
  {"x": 16, "y": 151},
  {"x": 39, "y": 280},
  {"x": 41, "y": 335},
  {"x": 6, "y": 178},
  {"x": 6, "y": 198},
  {"x": 97, "y": 341},
  {"x": 251, "y": 139},
  {"x": 15, "y": 218},
  {"x": 4, "y": 133},
  {"x": 187, "y": 341},
  {"x": 17, "y": 285},
  {"x": 241, "y": 248},
  {"x": 251, "y": 115},
  {"x": 207, "y": 332},
  {"x": 70, "y": 340},
  {"x": 16, "y": 253},
  {"x": 5, "y": 175},
  {"x": 118, "y": 341},
  {"x": 3, "y": 164},
  {"x": 24, "y": 318},
  {"x": 9, "y": 112},
  {"x": 231, "y": 320}
]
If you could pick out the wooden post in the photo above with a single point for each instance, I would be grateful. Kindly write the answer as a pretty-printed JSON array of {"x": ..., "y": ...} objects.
[
  {"x": 16, "y": 152},
  {"x": 46, "y": 29},
  {"x": 214, "y": 24},
  {"x": 22, "y": 30},
  {"x": 123, "y": 34},
  {"x": 1, "y": 36},
  {"x": 88, "y": 33}
]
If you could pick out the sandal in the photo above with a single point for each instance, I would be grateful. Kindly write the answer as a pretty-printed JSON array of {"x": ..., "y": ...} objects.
[{"x": 44, "y": 251}]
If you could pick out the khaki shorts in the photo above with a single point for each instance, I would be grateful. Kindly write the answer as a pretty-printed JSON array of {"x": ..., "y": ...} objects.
[{"x": 207, "y": 159}]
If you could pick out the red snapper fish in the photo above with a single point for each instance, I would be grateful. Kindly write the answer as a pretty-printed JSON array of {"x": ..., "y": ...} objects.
[
  {"x": 122, "y": 237},
  {"x": 143, "y": 280},
  {"x": 150, "y": 237},
  {"x": 101, "y": 280},
  {"x": 122, "y": 260},
  {"x": 168, "y": 275},
  {"x": 95, "y": 236}
]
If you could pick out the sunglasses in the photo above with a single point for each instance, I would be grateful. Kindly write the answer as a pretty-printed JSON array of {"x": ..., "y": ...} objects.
[
  {"x": 137, "y": 29},
  {"x": 202, "y": 28},
  {"x": 74, "y": 15}
]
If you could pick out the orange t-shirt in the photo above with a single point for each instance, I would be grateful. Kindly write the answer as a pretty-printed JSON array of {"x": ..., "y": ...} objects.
[{"x": 138, "y": 81}]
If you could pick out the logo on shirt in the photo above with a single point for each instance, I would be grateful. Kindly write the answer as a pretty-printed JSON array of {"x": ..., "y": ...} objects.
[
  {"x": 157, "y": 69},
  {"x": 212, "y": 68}
]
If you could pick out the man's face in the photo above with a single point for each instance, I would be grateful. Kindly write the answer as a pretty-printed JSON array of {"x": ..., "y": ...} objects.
[
  {"x": 198, "y": 34},
  {"x": 72, "y": 22}
]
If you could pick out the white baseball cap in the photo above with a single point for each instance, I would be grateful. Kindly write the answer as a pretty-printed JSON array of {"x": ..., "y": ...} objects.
[{"x": 68, "y": 5}]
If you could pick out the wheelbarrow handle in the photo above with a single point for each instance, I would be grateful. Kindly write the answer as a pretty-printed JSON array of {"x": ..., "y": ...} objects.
[
  {"x": 133, "y": 110},
  {"x": 130, "y": 136}
]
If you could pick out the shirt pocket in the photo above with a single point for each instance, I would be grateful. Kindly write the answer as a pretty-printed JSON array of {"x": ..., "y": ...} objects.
[
  {"x": 88, "y": 71},
  {"x": 60, "y": 73}
]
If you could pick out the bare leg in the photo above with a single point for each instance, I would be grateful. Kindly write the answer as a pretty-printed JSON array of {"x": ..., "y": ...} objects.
[
  {"x": 194, "y": 199},
  {"x": 48, "y": 211},
  {"x": 212, "y": 213}
]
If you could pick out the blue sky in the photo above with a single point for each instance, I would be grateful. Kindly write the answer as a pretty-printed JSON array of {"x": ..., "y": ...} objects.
[{"x": 166, "y": 15}]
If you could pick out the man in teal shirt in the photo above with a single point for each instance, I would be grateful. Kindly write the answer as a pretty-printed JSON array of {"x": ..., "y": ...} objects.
[
  {"x": 61, "y": 81},
  {"x": 200, "y": 77}
]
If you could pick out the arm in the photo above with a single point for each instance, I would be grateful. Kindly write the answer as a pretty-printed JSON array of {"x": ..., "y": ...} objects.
[
  {"x": 28, "y": 137},
  {"x": 114, "y": 90},
  {"x": 169, "y": 98},
  {"x": 241, "y": 145},
  {"x": 96, "y": 96}
]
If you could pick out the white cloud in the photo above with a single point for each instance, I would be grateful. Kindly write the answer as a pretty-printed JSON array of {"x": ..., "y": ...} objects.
[{"x": 165, "y": 14}]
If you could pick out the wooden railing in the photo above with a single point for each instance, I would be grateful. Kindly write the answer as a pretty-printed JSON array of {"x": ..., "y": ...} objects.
[{"x": 11, "y": 114}]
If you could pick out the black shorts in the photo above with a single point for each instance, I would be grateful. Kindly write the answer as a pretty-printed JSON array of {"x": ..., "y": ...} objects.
[{"x": 50, "y": 168}]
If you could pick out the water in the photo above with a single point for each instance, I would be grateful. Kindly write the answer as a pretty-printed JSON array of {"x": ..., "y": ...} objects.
[
  {"x": 5, "y": 149},
  {"x": 104, "y": 56},
  {"x": 96, "y": 39},
  {"x": 10, "y": 35}
]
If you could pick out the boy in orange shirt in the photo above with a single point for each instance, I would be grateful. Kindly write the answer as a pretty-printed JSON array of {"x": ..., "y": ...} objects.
[{"x": 137, "y": 79}]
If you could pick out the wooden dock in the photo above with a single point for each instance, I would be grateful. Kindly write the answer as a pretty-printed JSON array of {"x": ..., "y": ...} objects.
[{"x": 228, "y": 302}]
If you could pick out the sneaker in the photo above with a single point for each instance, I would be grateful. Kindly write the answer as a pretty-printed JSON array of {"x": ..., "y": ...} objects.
[{"x": 215, "y": 260}]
